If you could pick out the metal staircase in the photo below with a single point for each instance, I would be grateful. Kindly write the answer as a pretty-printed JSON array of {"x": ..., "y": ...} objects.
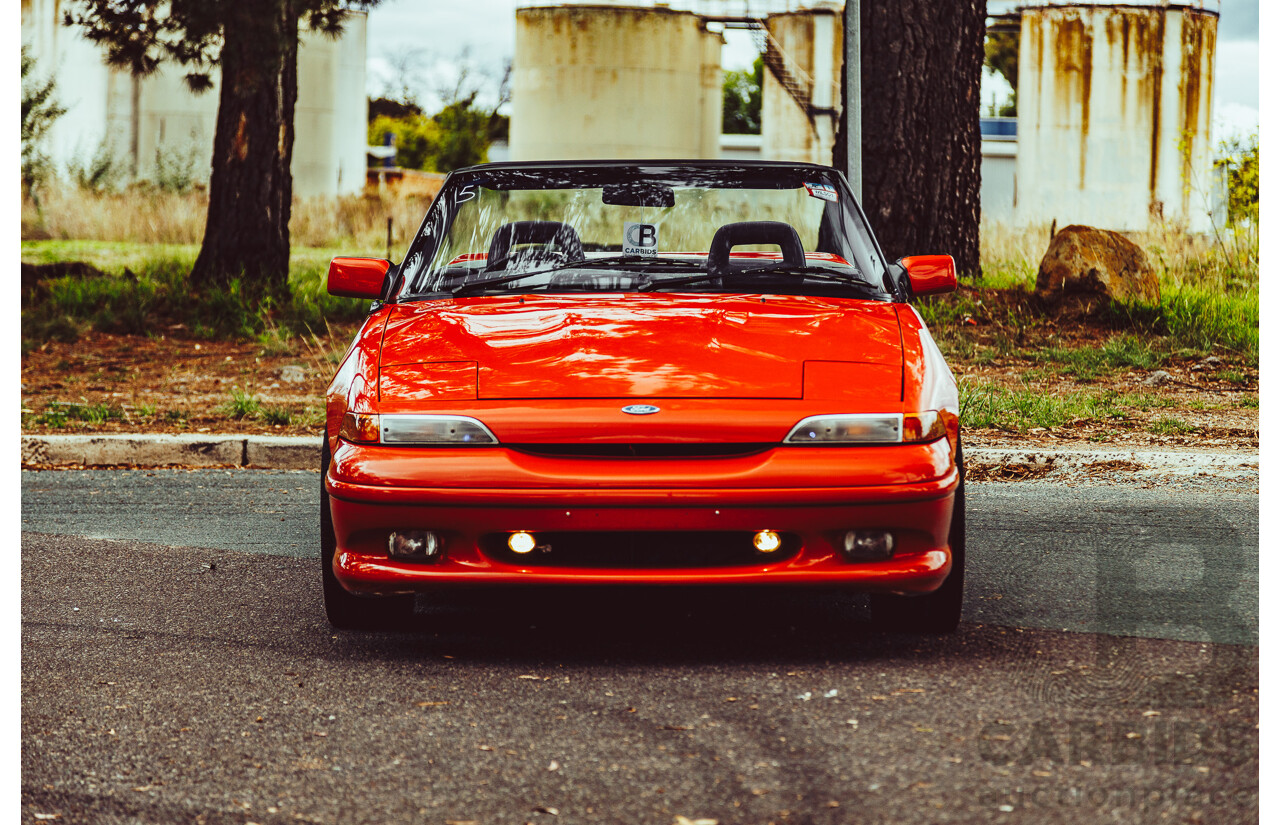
[
  {"x": 791, "y": 77},
  {"x": 785, "y": 70}
]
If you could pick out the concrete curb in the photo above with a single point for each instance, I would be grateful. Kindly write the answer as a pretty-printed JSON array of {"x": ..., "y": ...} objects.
[
  {"x": 303, "y": 453},
  {"x": 148, "y": 450}
]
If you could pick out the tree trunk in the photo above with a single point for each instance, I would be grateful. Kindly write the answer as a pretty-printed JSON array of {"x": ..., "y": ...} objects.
[
  {"x": 251, "y": 187},
  {"x": 921, "y": 147}
]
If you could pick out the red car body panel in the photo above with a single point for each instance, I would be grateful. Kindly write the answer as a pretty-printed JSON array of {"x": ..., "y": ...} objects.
[
  {"x": 631, "y": 346},
  {"x": 357, "y": 277},
  {"x": 466, "y": 494},
  {"x": 931, "y": 274},
  {"x": 543, "y": 370}
]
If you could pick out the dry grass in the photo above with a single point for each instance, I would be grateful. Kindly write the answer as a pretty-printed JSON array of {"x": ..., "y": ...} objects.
[
  {"x": 358, "y": 221},
  {"x": 1208, "y": 283},
  {"x": 149, "y": 216},
  {"x": 1010, "y": 256},
  {"x": 137, "y": 215},
  {"x": 1226, "y": 259}
]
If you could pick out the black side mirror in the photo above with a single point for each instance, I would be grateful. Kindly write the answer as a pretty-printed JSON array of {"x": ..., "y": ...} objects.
[{"x": 896, "y": 281}]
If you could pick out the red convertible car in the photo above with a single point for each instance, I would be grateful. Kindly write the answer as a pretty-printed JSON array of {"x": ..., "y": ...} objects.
[{"x": 647, "y": 372}]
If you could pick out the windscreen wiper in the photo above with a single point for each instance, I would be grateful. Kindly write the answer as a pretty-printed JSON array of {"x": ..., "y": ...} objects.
[
  {"x": 586, "y": 263},
  {"x": 816, "y": 273}
]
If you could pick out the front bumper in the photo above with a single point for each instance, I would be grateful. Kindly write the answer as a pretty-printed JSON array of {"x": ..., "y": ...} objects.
[{"x": 815, "y": 494}]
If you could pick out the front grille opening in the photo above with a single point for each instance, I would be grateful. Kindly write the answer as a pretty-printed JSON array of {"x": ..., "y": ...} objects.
[
  {"x": 643, "y": 450},
  {"x": 640, "y": 550}
]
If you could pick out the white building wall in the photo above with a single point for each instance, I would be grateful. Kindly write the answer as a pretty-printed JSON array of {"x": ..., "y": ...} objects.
[
  {"x": 139, "y": 119},
  {"x": 999, "y": 180}
]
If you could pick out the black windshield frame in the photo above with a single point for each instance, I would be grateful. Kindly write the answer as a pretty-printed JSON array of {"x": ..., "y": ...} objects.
[{"x": 460, "y": 186}]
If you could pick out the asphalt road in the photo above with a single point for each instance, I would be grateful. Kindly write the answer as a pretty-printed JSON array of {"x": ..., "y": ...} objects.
[
  {"x": 177, "y": 668},
  {"x": 1169, "y": 563}
]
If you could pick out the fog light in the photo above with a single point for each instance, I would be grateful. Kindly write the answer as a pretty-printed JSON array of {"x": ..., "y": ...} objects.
[
  {"x": 868, "y": 545},
  {"x": 416, "y": 545},
  {"x": 767, "y": 541},
  {"x": 521, "y": 542}
]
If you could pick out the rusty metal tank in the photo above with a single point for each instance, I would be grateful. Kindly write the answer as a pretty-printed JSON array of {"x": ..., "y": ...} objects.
[
  {"x": 1114, "y": 115},
  {"x": 594, "y": 81},
  {"x": 801, "y": 91}
]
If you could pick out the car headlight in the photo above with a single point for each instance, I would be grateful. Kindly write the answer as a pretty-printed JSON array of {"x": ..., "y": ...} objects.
[
  {"x": 864, "y": 428},
  {"x": 365, "y": 428}
]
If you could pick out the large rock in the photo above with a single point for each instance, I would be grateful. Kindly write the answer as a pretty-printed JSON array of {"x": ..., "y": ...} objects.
[{"x": 1081, "y": 259}]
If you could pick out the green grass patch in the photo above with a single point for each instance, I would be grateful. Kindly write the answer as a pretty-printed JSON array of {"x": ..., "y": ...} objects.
[
  {"x": 243, "y": 404},
  {"x": 58, "y": 414},
  {"x": 1144, "y": 402},
  {"x": 277, "y": 415},
  {"x": 1170, "y": 426},
  {"x": 1205, "y": 320},
  {"x": 144, "y": 287},
  {"x": 1119, "y": 352},
  {"x": 1019, "y": 409},
  {"x": 311, "y": 417},
  {"x": 109, "y": 256},
  {"x": 52, "y": 417},
  {"x": 1024, "y": 408},
  {"x": 276, "y": 340}
]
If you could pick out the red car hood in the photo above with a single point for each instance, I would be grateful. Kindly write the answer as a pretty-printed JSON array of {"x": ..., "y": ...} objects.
[{"x": 633, "y": 346}]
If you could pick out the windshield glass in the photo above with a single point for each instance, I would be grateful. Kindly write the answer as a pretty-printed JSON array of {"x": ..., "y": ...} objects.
[{"x": 634, "y": 228}]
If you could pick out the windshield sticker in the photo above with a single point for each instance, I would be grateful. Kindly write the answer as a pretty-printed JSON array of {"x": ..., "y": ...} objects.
[
  {"x": 639, "y": 239},
  {"x": 823, "y": 191}
]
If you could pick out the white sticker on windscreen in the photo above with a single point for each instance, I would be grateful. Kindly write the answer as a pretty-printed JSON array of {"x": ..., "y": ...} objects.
[
  {"x": 639, "y": 239},
  {"x": 825, "y": 191}
]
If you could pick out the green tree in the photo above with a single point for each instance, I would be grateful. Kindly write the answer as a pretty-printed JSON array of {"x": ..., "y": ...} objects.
[
  {"x": 464, "y": 136},
  {"x": 1001, "y": 56},
  {"x": 39, "y": 111},
  {"x": 1240, "y": 160},
  {"x": 255, "y": 47},
  {"x": 387, "y": 107},
  {"x": 742, "y": 101},
  {"x": 458, "y": 135},
  {"x": 417, "y": 139}
]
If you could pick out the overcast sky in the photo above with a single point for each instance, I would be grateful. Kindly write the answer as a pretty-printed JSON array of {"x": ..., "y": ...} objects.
[{"x": 429, "y": 35}]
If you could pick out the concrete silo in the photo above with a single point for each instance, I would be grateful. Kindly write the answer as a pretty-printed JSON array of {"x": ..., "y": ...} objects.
[
  {"x": 148, "y": 123},
  {"x": 803, "y": 52},
  {"x": 331, "y": 117},
  {"x": 595, "y": 81},
  {"x": 1114, "y": 115}
]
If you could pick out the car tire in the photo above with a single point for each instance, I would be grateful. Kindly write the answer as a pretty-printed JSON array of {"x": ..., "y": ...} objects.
[
  {"x": 347, "y": 611},
  {"x": 939, "y": 611}
]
